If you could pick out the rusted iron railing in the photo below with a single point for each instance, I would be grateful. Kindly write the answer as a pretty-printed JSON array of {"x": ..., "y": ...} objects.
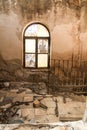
[{"x": 70, "y": 73}]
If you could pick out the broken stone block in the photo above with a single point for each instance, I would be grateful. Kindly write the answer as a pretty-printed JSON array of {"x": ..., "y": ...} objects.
[
  {"x": 59, "y": 99},
  {"x": 11, "y": 94},
  {"x": 42, "y": 85},
  {"x": 68, "y": 100},
  {"x": 19, "y": 113},
  {"x": 1, "y": 99},
  {"x": 29, "y": 98},
  {"x": 6, "y": 84},
  {"x": 41, "y": 118},
  {"x": 36, "y": 103},
  {"x": 26, "y": 106},
  {"x": 19, "y": 73},
  {"x": 14, "y": 90},
  {"x": 18, "y": 98},
  {"x": 28, "y": 113},
  {"x": 43, "y": 106},
  {"x": 51, "y": 111},
  {"x": 6, "y": 100},
  {"x": 6, "y": 106},
  {"x": 32, "y": 121},
  {"x": 20, "y": 90},
  {"x": 39, "y": 111},
  {"x": 50, "y": 103},
  {"x": 39, "y": 98},
  {"x": 28, "y": 91},
  {"x": 22, "y": 94},
  {"x": 42, "y": 88},
  {"x": 52, "y": 118},
  {"x": 48, "y": 98},
  {"x": 16, "y": 120}
]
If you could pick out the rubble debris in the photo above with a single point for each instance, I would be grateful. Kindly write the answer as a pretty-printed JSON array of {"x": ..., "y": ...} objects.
[
  {"x": 20, "y": 91},
  {"x": 16, "y": 105},
  {"x": 6, "y": 84},
  {"x": 37, "y": 104},
  {"x": 1, "y": 99},
  {"x": 11, "y": 111}
]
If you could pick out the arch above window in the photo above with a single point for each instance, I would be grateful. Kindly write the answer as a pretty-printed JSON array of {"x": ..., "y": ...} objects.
[
  {"x": 36, "y": 46},
  {"x": 36, "y": 29}
]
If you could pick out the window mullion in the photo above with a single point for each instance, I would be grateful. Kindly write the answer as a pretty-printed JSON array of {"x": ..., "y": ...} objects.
[
  {"x": 24, "y": 51},
  {"x": 36, "y": 52},
  {"x": 48, "y": 52}
]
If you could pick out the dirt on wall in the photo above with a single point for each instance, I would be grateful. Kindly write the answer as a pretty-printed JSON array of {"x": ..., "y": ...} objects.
[{"x": 59, "y": 16}]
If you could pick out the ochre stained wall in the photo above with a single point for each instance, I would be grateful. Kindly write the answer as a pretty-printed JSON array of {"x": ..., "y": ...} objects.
[{"x": 65, "y": 19}]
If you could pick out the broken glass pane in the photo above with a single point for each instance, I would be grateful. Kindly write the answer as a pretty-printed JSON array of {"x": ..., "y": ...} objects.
[
  {"x": 37, "y": 30},
  {"x": 42, "y": 46},
  {"x": 42, "y": 60},
  {"x": 29, "y": 60},
  {"x": 30, "y": 45}
]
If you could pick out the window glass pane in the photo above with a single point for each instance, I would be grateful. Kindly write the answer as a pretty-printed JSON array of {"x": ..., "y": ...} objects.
[
  {"x": 42, "y": 46},
  {"x": 29, "y": 60},
  {"x": 30, "y": 45},
  {"x": 42, "y": 60},
  {"x": 37, "y": 30}
]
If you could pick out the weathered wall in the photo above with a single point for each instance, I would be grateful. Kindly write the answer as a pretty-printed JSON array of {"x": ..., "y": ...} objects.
[
  {"x": 61, "y": 17},
  {"x": 83, "y": 34},
  {"x": 66, "y": 20}
]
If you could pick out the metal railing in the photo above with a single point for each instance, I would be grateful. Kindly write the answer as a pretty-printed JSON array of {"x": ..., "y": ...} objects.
[{"x": 70, "y": 72}]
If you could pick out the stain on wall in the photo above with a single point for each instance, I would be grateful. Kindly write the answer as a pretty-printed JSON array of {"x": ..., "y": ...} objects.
[{"x": 59, "y": 16}]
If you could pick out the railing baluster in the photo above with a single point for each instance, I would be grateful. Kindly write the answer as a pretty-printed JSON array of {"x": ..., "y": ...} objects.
[
  {"x": 58, "y": 67},
  {"x": 67, "y": 71},
  {"x": 68, "y": 74},
  {"x": 63, "y": 71}
]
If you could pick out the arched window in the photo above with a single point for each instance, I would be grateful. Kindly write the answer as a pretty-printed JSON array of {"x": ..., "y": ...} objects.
[{"x": 36, "y": 46}]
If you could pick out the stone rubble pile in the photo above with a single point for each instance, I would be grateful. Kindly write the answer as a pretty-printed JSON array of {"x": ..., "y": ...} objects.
[
  {"x": 26, "y": 103},
  {"x": 21, "y": 104}
]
